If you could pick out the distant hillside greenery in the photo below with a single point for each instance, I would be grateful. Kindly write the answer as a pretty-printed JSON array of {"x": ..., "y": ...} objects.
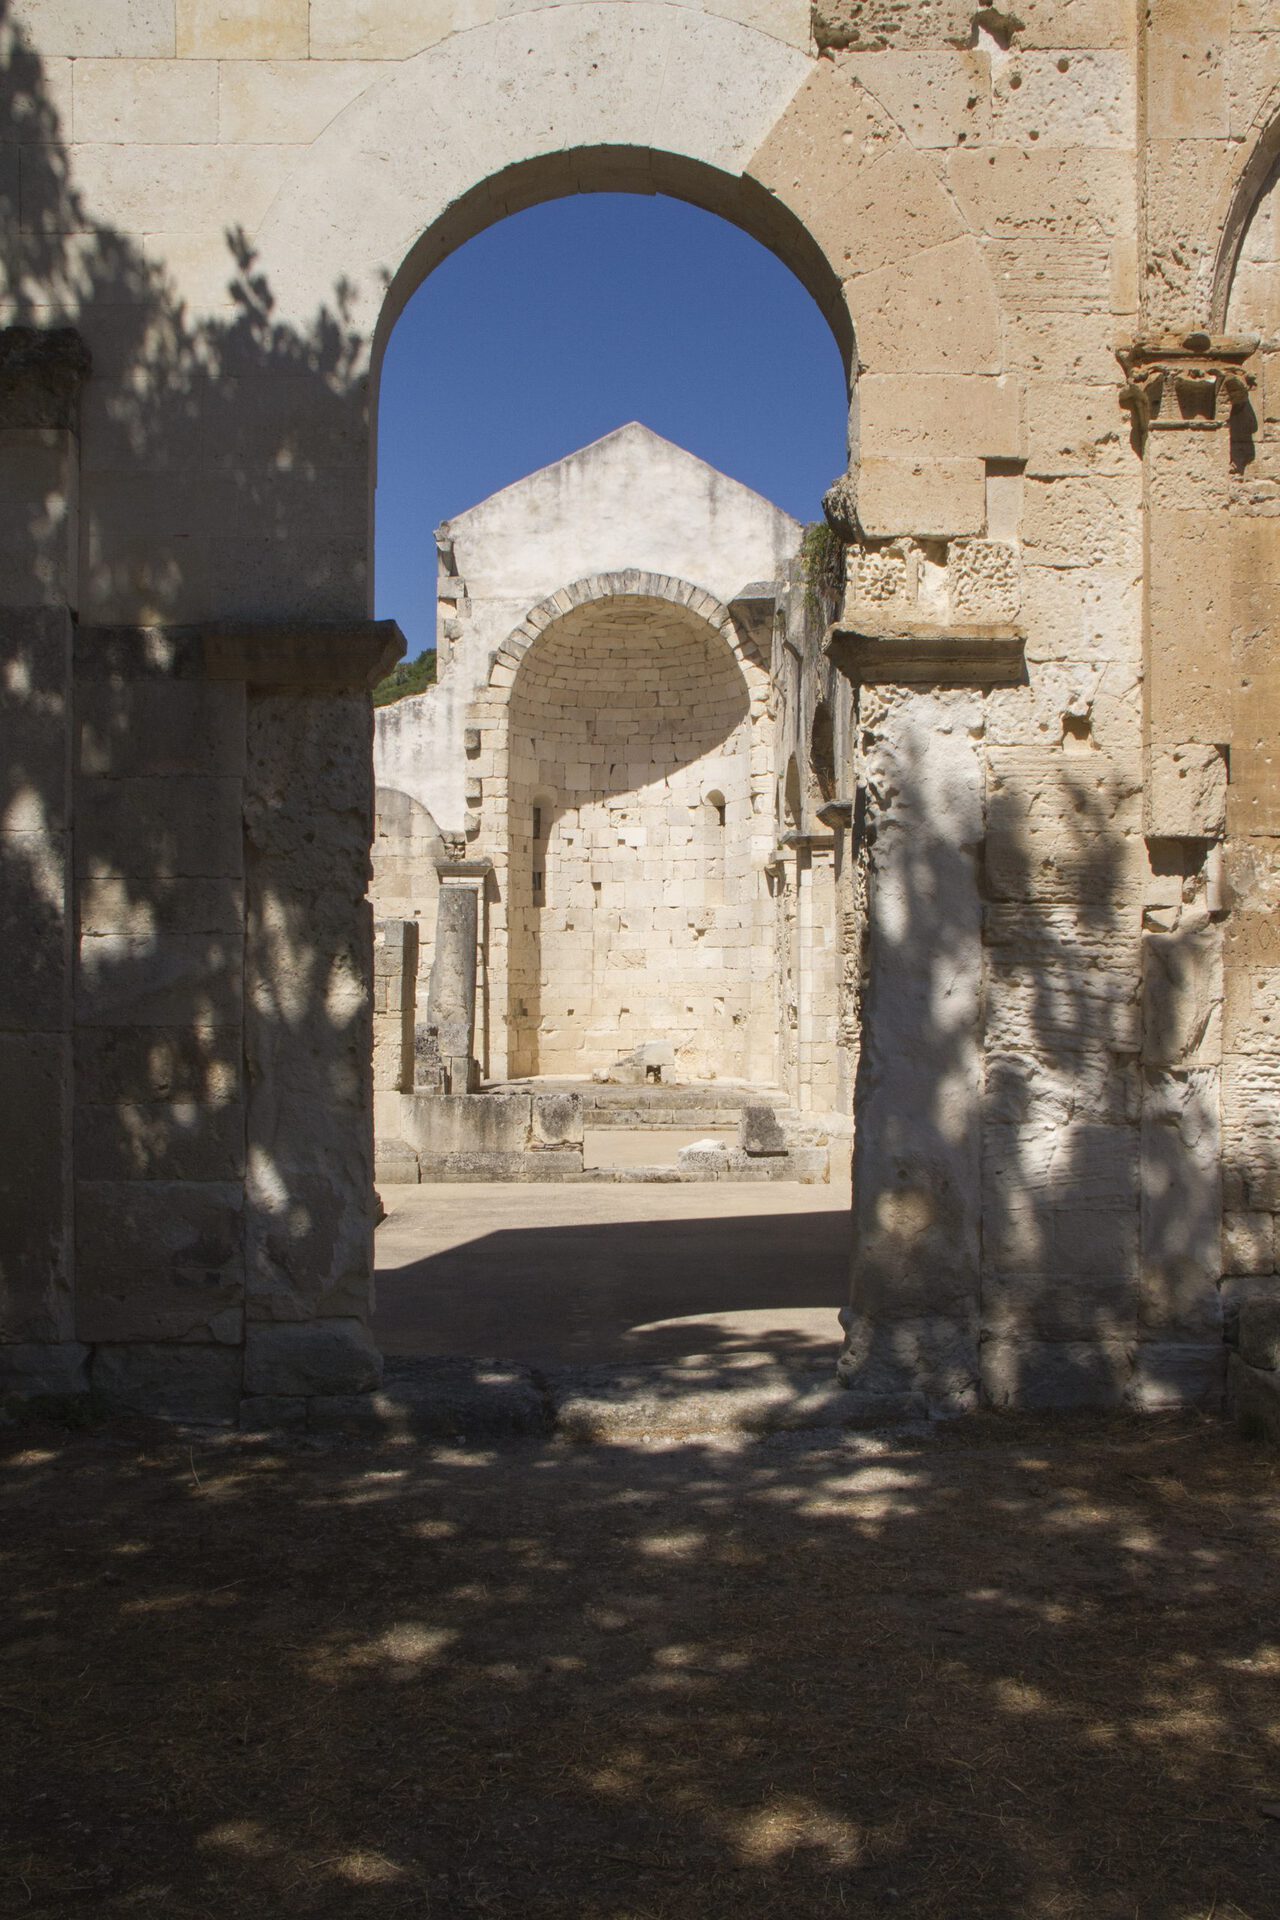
[{"x": 411, "y": 676}]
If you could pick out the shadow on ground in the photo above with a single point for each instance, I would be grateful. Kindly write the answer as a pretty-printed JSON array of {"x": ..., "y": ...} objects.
[
  {"x": 1008, "y": 1669},
  {"x": 624, "y": 1292}
]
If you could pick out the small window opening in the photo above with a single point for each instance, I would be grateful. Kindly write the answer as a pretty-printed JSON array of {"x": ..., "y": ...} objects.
[
  {"x": 654, "y": 1076},
  {"x": 716, "y": 803},
  {"x": 539, "y": 891},
  {"x": 537, "y": 823}
]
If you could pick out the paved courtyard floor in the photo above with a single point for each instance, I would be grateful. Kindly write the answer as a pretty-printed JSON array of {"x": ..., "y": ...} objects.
[
  {"x": 581, "y": 1275},
  {"x": 1006, "y": 1669}
]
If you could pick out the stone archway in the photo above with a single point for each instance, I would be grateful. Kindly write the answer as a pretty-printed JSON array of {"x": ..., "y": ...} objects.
[{"x": 225, "y": 481}]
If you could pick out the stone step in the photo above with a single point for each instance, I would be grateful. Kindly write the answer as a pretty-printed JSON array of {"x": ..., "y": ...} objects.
[{"x": 746, "y": 1394}]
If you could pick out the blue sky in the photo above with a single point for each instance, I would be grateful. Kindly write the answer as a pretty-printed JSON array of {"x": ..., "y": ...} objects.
[{"x": 561, "y": 323}]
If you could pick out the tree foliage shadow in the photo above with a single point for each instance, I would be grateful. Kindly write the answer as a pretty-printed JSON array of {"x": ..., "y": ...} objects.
[
  {"x": 206, "y": 442},
  {"x": 1019, "y": 1670}
]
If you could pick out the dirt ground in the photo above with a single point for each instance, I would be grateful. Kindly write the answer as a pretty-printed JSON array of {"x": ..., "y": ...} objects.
[
  {"x": 1006, "y": 1667},
  {"x": 562, "y": 1275}
]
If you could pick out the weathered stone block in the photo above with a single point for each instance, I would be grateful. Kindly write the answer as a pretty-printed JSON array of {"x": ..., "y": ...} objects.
[
  {"x": 707, "y": 1159},
  {"x": 35, "y": 1227},
  {"x": 438, "y": 1125},
  {"x": 1254, "y": 1398},
  {"x": 186, "y": 1140},
  {"x": 760, "y": 1131},
  {"x": 310, "y": 1357},
  {"x": 1190, "y": 595},
  {"x": 117, "y": 904},
  {"x": 34, "y": 920},
  {"x": 189, "y": 826},
  {"x": 556, "y": 1119},
  {"x": 395, "y": 1164},
  {"x": 934, "y": 1356},
  {"x": 1057, "y": 1305},
  {"x": 922, "y": 496},
  {"x": 1169, "y": 1374},
  {"x": 124, "y": 1064},
  {"x": 119, "y": 29},
  {"x": 1181, "y": 1203},
  {"x": 35, "y": 663},
  {"x": 548, "y": 1164},
  {"x": 1056, "y": 1373},
  {"x": 1248, "y": 1243},
  {"x": 55, "y": 1368},
  {"x": 1186, "y": 794},
  {"x": 1258, "y": 1337},
  {"x": 160, "y": 979},
  {"x": 241, "y": 30},
  {"x": 159, "y": 1261},
  {"x": 200, "y": 1384},
  {"x": 160, "y": 728},
  {"x": 1060, "y": 828},
  {"x": 1182, "y": 988}
]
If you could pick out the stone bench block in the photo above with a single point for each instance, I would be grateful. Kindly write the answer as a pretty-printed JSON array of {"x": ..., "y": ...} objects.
[
  {"x": 548, "y": 1164},
  {"x": 557, "y": 1119},
  {"x": 395, "y": 1164},
  {"x": 440, "y": 1125}
]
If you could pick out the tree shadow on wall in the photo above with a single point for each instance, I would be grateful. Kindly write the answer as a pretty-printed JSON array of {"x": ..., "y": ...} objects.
[
  {"x": 219, "y": 828},
  {"x": 1009, "y": 980}
]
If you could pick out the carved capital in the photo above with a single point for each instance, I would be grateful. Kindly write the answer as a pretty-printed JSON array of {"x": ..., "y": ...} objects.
[
  {"x": 1189, "y": 382},
  {"x": 977, "y": 655}
]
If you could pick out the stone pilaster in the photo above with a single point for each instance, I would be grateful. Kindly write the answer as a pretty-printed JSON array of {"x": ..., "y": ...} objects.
[
  {"x": 451, "y": 994},
  {"x": 224, "y": 1014},
  {"x": 1188, "y": 398}
]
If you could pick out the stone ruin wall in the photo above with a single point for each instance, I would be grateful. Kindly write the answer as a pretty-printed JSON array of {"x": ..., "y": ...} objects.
[
  {"x": 622, "y": 722},
  {"x": 1051, "y": 1058}
]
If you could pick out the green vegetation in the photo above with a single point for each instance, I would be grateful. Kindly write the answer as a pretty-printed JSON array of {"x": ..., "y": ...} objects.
[
  {"x": 822, "y": 559},
  {"x": 411, "y": 676}
]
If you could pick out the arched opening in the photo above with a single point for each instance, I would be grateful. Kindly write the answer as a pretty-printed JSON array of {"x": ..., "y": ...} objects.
[
  {"x": 615, "y": 711},
  {"x": 602, "y": 751}
]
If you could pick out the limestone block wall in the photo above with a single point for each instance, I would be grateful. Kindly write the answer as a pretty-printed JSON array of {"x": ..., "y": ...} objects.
[
  {"x": 986, "y": 207},
  {"x": 633, "y": 913},
  {"x": 407, "y": 850},
  {"x": 631, "y": 501}
]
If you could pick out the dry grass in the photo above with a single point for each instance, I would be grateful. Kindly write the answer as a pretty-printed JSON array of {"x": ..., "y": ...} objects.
[{"x": 1016, "y": 1669}]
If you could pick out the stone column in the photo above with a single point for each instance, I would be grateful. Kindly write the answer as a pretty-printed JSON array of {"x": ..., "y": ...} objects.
[
  {"x": 1188, "y": 399},
  {"x": 40, "y": 380},
  {"x": 451, "y": 993}
]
